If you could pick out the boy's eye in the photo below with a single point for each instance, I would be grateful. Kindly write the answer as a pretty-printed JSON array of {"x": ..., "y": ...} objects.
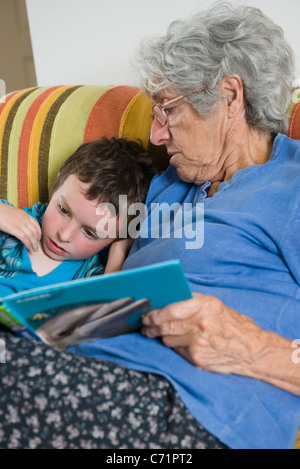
[
  {"x": 63, "y": 210},
  {"x": 90, "y": 234}
]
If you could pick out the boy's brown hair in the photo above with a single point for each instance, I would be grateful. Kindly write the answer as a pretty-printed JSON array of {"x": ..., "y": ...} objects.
[{"x": 111, "y": 167}]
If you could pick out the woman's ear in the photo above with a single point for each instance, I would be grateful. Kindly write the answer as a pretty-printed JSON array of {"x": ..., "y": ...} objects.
[{"x": 233, "y": 88}]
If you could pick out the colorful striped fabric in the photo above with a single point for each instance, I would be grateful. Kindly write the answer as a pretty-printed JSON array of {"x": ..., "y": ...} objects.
[
  {"x": 297, "y": 446},
  {"x": 40, "y": 127}
]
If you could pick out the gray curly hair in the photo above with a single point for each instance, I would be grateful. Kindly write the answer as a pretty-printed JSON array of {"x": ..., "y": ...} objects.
[{"x": 219, "y": 42}]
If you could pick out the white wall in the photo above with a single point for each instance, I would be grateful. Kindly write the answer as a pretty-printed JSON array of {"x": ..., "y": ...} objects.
[{"x": 93, "y": 41}]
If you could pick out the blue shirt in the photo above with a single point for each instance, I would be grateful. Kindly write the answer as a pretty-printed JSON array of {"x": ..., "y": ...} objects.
[{"x": 250, "y": 259}]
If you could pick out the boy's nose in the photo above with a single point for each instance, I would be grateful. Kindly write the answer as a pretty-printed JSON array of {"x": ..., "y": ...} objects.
[
  {"x": 66, "y": 233},
  {"x": 160, "y": 134}
]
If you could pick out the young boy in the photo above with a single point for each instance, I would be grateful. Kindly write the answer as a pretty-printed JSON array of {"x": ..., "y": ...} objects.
[{"x": 60, "y": 241}]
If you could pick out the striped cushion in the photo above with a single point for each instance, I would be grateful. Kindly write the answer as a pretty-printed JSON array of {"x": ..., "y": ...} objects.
[
  {"x": 40, "y": 127},
  {"x": 297, "y": 446},
  {"x": 293, "y": 113}
]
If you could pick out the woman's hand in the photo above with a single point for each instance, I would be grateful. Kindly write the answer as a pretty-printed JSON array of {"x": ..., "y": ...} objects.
[
  {"x": 216, "y": 338},
  {"x": 20, "y": 224},
  {"x": 205, "y": 332}
]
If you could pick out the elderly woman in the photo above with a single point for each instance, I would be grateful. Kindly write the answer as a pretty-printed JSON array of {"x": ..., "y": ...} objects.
[{"x": 220, "y": 83}]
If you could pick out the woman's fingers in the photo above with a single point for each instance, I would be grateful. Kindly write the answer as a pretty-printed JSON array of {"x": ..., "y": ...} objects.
[
  {"x": 179, "y": 311},
  {"x": 207, "y": 333}
]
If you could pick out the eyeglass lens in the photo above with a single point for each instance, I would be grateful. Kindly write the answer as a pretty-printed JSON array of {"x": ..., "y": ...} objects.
[{"x": 160, "y": 115}]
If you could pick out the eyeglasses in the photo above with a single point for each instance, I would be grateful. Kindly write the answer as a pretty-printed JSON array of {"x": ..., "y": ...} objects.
[{"x": 158, "y": 110}]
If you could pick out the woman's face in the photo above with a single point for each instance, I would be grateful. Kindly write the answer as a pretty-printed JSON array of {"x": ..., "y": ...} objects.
[{"x": 197, "y": 145}]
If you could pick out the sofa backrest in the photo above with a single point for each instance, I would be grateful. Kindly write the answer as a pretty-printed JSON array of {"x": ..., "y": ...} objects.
[
  {"x": 294, "y": 115},
  {"x": 40, "y": 127}
]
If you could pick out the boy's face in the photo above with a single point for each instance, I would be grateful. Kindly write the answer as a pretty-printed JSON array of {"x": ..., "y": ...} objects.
[{"x": 69, "y": 223}]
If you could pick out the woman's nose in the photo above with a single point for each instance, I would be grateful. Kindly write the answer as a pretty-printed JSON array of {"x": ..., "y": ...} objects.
[{"x": 160, "y": 134}]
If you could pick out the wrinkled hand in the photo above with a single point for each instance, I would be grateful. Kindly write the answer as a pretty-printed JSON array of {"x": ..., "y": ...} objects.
[
  {"x": 207, "y": 333},
  {"x": 20, "y": 224}
]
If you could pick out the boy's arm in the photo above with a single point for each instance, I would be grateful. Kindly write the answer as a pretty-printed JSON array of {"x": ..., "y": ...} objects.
[
  {"x": 118, "y": 252},
  {"x": 18, "y": 223}
]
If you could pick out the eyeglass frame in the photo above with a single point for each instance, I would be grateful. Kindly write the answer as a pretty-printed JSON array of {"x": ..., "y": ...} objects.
[{"x": 162, "y": 107}]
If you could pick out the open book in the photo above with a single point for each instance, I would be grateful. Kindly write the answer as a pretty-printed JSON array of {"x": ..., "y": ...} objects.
[{"x": 94, "y": 308}]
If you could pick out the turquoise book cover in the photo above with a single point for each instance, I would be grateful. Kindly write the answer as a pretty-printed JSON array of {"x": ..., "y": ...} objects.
[{"x": 94, "y": 308}]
